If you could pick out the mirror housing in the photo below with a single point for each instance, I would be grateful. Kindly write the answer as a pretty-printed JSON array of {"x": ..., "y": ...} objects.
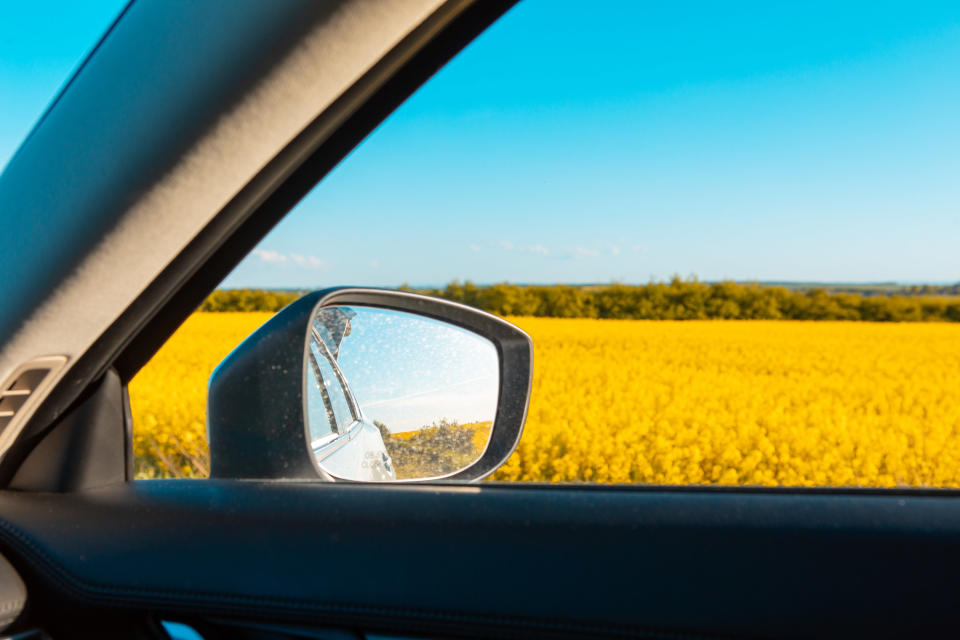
[{"x": 256, "y": 416}]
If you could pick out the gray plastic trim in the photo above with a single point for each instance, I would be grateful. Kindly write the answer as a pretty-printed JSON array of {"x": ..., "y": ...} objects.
[
  {"x": 11, "y": 426},
  {"x": 13, "y": 594}
]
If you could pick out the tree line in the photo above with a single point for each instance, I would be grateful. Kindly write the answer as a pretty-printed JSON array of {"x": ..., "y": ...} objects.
[
  {"x": 248, "y": 300},
  {"x": 678, "y": 299}
]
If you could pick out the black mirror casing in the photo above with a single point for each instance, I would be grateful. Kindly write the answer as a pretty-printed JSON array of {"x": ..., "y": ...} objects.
[
  {"x": 255, "y": 423},
  {"x": 256, "y": 418}
]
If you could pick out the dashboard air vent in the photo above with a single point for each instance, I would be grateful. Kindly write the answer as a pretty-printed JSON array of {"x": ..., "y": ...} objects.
[
  {"x": 17, "y": 393},
  {"x": 22, "y": 391}
]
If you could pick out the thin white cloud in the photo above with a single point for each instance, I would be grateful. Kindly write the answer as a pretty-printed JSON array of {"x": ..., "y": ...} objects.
[
  {"x": 506, "y": 245},
  {"x": 272, "y": 257},
  {"x": 374, "y": 264},
  {"x": 537, "y": 249},
  {"x": 474, "y": 247},
  {"x": 581, "y": 252},
  {"x": 308, "y": 262},
  {"x": 614, "y": 250}
]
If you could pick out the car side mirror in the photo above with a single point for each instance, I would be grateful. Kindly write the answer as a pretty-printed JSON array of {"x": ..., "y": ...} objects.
[{"x": 370, "y": 385}]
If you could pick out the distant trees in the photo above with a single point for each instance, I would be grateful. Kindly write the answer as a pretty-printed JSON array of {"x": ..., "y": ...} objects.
[
  {"x": 678, "y": 299},
  {"x": 247, "y": 300},
  {"x": 694, "y": 300}
]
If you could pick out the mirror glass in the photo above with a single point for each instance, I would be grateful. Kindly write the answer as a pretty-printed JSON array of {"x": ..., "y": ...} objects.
[{"x": 392, "y": 395}]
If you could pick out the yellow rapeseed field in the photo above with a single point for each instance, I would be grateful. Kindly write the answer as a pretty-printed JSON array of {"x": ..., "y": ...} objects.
[
  {"x": 713, "y": 402},
  {"x": 742, "y": 402},
  {"x": 168, "y": 396}
]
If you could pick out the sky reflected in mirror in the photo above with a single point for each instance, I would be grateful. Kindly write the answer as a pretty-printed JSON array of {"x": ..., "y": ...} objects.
[{"x": 409, "y": 371}]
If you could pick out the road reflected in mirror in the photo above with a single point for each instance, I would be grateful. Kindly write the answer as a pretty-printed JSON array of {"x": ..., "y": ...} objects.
[{"x": 392, "y": 395}]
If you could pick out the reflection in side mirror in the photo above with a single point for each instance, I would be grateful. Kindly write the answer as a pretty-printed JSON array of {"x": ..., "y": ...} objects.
[
  {"x": 392, "y": 395},
  {"x": 370, "y": 385}
]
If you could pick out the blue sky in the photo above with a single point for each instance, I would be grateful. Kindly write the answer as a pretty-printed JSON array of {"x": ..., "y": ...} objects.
[
  {"x": 769, "y": 141},
  {"x": 409, "y": 372},
  {"x": 41, "y": 43}
]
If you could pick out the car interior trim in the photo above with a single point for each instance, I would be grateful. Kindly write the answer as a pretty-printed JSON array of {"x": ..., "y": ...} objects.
[
  {"x": 42, "y": 372},
  {"x": 891, "y": 556},
  {"x": 13, "y": 594}
]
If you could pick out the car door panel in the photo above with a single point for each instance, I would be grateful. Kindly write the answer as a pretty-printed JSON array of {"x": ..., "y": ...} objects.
[{"x": 497, "y": 559}]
